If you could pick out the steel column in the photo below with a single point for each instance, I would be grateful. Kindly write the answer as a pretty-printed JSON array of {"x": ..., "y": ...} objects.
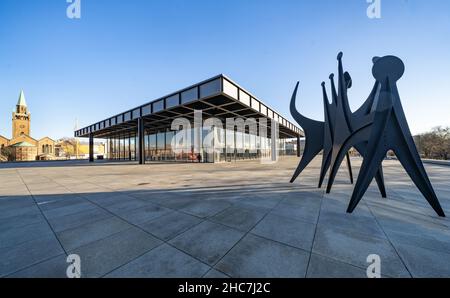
[
  {"x": 91, "y": 147},
  {"x": 141, "y": 142}
]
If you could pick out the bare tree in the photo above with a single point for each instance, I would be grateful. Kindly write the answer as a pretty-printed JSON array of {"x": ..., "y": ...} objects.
[
  {"x": 435, "y": 144},
  {"x": 69, "y": 146},
  {"x": 7, "y": 153}
]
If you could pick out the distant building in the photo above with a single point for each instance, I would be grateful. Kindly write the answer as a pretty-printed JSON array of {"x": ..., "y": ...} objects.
[
  {"x": 22, "y": 147},
  {"x": 72, "y": 149}
]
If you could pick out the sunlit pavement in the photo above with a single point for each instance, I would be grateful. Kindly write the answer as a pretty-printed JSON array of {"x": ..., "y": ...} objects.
[{"x": 239, "y": 219}]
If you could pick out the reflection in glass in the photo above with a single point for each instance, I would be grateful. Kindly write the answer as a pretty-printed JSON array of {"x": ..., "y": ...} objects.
[
  {"x": 189, "y": 95},
  {"x": 210, "y": 88},
  {"x": 158, "y": 106},
  {"x": 172, "y": 101},
  {"x": 219, "y": 145}
]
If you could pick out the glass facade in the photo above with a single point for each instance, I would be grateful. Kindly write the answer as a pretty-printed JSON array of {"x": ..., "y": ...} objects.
[
  {"x": 218, "y": 145},
  {"x": 219, "y": 97}
]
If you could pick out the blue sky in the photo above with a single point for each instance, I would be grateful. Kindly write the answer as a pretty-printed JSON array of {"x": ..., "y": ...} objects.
[{"x": 121, "y": 54}]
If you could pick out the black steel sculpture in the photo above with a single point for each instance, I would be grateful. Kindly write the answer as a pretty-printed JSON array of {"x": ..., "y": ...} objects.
[
  {"x": 378, "y": 126},
  {"x": 324, "y": 132},
  {"x": 330, "y": 119},
  {"x": 318, "y": 137},
  {"x": 347, "y": 123}
]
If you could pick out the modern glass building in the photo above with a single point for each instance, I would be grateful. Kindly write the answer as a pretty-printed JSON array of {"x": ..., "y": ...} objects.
[{"x": 220, "y": 120}]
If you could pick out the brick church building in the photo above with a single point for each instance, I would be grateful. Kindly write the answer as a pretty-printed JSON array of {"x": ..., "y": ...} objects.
[{"x": 22, "y": 147}]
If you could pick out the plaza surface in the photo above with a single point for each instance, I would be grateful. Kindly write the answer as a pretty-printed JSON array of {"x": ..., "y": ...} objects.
[{"x": 239, "y": 219}]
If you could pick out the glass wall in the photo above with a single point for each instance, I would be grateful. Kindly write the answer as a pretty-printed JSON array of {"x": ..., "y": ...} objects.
[
  {"x": 160, "y": 146},
  {"x": 122, "y": 147},
  {"x": 218, "y": 145}
]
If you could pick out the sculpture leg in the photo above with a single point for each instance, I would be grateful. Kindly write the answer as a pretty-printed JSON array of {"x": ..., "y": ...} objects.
[
  {"x": 335, "y": 164},
  {"x": 416, "y": 171},
  {"x": 373, "y": 158},
  {"x": 362, "y": 148},
  {"x": 349, "y": 166},
  {"x": 325, "y": 166},
  {"x": 367, "y": 172},
  {"x": 380, "y": 182},
  {"x": 307, "y": 157}
]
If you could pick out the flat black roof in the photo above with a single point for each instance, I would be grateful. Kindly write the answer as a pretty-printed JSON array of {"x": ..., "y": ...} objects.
[{"x": 217, "y": 97}]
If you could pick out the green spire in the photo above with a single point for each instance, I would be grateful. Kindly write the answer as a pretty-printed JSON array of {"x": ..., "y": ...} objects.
[{"x": 21, "y": 101}]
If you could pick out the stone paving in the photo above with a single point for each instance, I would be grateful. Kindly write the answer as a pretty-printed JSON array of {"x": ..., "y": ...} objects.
[{"x": 215, "y": 220}]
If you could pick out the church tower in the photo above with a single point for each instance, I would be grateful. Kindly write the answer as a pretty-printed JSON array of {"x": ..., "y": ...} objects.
[{"x": 21, "y": 118}]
